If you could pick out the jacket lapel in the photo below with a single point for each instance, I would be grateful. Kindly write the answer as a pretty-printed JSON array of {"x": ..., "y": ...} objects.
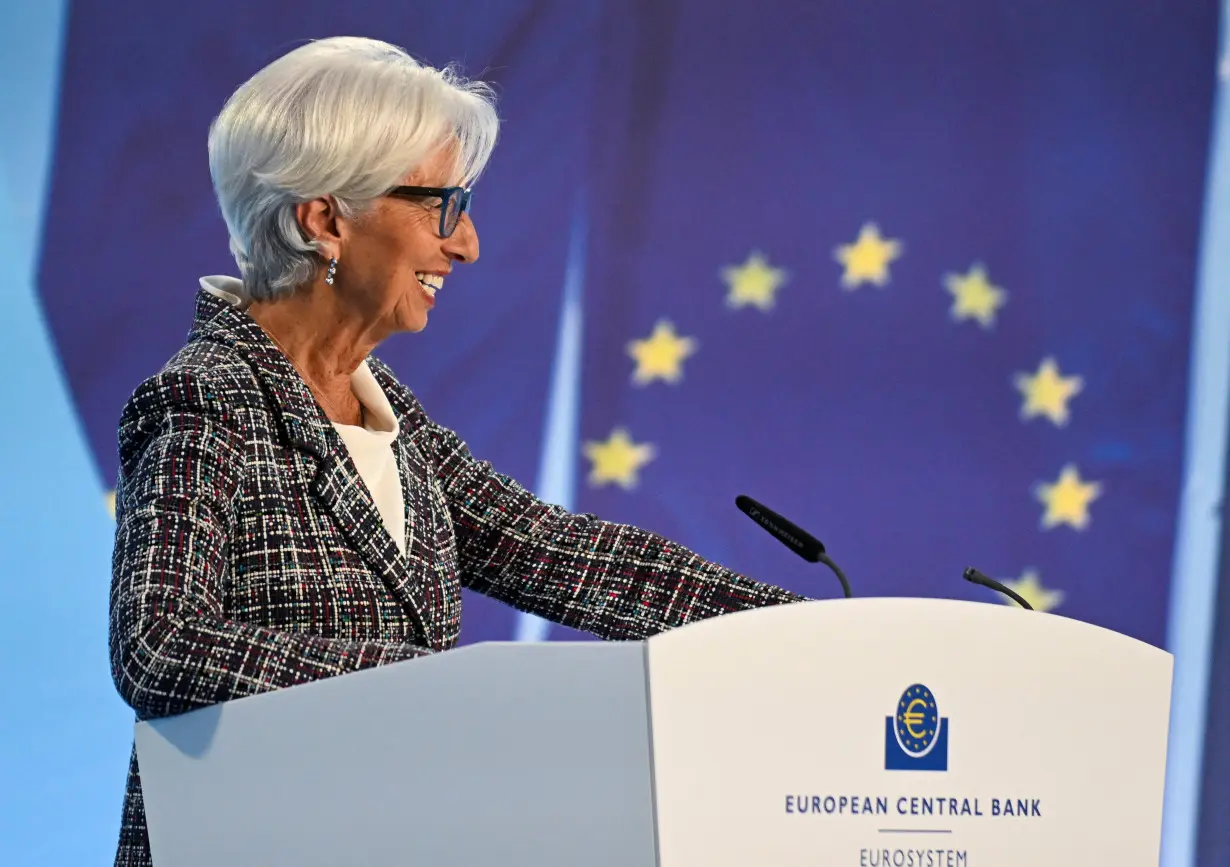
[
  {"x": 340, "y": 490},
  {"x": 337, "y": 484}
]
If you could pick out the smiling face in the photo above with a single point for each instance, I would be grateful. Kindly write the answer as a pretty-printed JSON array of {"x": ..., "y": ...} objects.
[{"x": 391, "y": 258}]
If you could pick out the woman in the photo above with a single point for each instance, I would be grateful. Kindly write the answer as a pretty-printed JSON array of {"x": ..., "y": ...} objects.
[{"x": 286, "y": 511}]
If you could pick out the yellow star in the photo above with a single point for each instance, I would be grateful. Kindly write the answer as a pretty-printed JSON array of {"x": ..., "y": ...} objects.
[
  {"x": 661, "y": 355},
  {"x": 1067, "y": 500},
  {"x": 1047, "y": 392},
  {"x": 974, "y": 297},
  {"x": 109, "y": 502},
  {"x": 1030, "y": 587},
  {"x": 617, "y": 460},
  {"x": 755, "y": 282},
  {"x": 868, "y": 258}
]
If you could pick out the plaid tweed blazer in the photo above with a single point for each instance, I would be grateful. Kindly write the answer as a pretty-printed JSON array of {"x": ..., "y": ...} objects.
[{"x": 250, "y": 556}]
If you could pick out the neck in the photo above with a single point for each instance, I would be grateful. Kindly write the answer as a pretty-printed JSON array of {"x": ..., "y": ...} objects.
[{"x": 323, "y": 340}]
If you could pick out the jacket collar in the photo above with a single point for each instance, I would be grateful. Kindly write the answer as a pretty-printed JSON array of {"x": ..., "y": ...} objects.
[{"x": 218, "y": 319}]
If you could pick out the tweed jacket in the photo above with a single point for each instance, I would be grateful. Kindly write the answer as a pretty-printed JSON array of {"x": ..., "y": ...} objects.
[{"x": 250, "y": 556}]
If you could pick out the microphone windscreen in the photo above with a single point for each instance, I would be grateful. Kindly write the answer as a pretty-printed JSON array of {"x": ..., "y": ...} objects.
[{"x": 789, "y": 534}]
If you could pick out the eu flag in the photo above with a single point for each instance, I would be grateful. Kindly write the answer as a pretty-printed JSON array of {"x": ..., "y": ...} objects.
[{"x": 918, "y": 276}]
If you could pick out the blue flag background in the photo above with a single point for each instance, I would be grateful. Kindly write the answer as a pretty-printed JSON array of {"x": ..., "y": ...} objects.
[
  {"x": 922, "y": 278},
  {"x": 1023, "y": 190}
]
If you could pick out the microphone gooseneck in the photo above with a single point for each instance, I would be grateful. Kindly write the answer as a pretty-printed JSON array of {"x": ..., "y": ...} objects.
[{"x": 975, "y": 577}]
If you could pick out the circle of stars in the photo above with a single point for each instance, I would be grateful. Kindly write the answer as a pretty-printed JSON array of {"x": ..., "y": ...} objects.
[{"x": 1046, "y": 393}]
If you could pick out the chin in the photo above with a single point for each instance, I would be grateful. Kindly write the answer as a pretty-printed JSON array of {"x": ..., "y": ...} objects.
[
  {"x": 409, "y": 317},
  {"x": 413, "y": 323}
]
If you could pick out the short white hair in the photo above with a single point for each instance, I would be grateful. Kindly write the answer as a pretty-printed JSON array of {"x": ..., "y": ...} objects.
[{"x": 346, "y": 117}]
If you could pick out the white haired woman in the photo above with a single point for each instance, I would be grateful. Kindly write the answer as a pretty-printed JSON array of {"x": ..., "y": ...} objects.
[{"x": 286, "y": 511}]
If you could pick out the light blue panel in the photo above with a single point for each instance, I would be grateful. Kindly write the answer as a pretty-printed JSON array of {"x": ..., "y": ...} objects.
[
  {"x": 1194, "y": 588},
  {"x": 65, "y": 734},
  {"x": 31, "y": 39},
  {"x": 558, "y": 461}
]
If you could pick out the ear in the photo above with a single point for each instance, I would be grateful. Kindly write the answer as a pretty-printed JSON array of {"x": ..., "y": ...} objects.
[{"x": 321, "y": 221}]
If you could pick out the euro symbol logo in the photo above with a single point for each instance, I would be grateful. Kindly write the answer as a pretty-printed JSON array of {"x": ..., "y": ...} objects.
[
  {"x": 917, "y": 722},
  {"x": 914, "y": 719},
  {"x": 916, "y": 736}
]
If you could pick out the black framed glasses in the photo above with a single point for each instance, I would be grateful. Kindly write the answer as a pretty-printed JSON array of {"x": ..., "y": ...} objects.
[{"x": 454, "y": 201}]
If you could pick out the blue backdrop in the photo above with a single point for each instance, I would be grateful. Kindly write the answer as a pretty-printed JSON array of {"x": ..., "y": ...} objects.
[
  {"x": 939, "y": 283},
  {"x": 1016, "y": 199}
]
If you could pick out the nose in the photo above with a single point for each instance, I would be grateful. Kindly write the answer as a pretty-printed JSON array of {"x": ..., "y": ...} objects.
[{"x": 462, "y": 245}]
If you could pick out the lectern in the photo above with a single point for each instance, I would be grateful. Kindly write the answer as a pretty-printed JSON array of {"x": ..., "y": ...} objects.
[{"x": 903, "y": 732}]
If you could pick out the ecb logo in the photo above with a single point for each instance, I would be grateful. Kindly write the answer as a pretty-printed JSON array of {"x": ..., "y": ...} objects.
[{"x": 916, "y": 736}]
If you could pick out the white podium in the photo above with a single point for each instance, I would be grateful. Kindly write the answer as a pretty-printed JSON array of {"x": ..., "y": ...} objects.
[{"x": 903, "y": 732}]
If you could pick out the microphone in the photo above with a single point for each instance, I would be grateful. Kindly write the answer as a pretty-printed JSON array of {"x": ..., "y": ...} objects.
[
  {"x": 792, "y": 536},
  {"x": 973, "y": 576}
]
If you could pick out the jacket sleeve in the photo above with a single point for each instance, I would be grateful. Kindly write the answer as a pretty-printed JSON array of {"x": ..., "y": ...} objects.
[
  {"x": 172, "y": 646},
  {"x": 612, "y": 580}
]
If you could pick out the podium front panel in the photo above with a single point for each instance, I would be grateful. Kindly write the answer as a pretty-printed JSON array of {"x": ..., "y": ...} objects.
[
  {"x": 907, "y": 732},
  {"x": 486, "y": 756}
]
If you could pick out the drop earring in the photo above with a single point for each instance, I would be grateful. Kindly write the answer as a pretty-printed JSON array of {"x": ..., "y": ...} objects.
[{"x": 332, "y": 273}]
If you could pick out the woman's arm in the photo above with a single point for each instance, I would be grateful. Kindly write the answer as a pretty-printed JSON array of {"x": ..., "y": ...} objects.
[
  {"x": 172, "y": 647},
  {"x": 609, "y": 579}
]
